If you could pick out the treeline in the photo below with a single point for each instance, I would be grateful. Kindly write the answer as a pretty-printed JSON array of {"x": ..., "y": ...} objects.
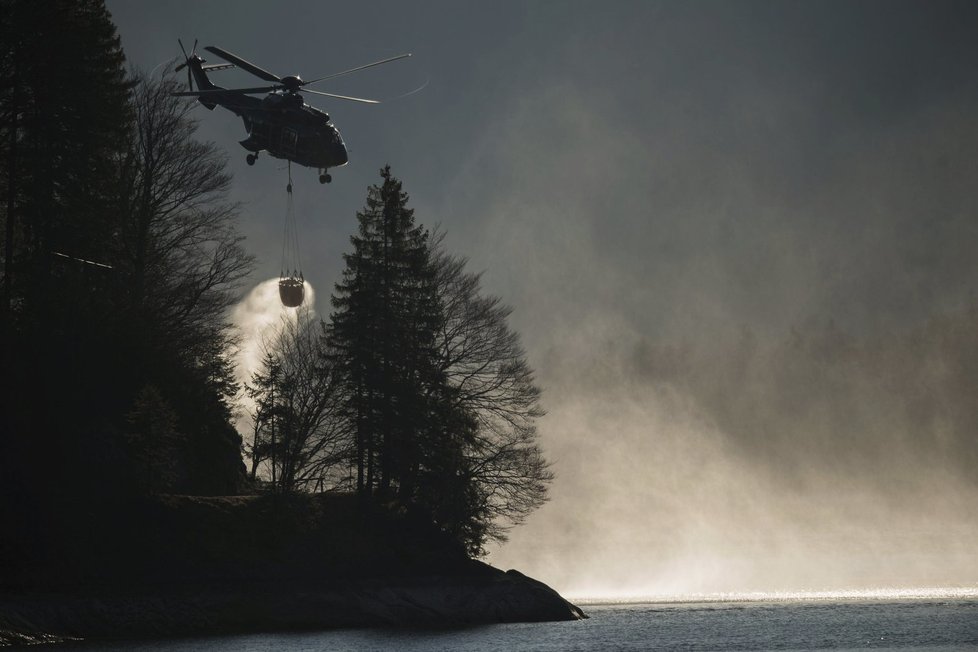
[
  {"x": 415, "y": 391},
  {"x": 120, "y": 261}
]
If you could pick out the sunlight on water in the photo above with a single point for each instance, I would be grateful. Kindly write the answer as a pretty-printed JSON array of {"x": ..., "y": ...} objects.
[{"x": 876, "y": 594}]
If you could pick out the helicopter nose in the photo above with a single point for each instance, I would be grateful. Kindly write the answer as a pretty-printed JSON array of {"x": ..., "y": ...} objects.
[{"x": 341, "y": 155}]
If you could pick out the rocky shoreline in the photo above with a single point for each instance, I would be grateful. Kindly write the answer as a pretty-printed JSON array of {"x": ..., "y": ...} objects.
[
  {"x": 172, "y": 566},
  {"x": 495, "y": 597}
]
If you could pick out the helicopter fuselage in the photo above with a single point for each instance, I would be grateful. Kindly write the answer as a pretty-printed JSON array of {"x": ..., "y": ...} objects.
[
  {"x": 288, "y": 128},
  {"x": 280, "y": 123}
]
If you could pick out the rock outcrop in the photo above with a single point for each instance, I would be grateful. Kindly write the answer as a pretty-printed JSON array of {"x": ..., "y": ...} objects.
[
  {"x": 493, "y": 597},
  {"x": 186, "y": 566}
]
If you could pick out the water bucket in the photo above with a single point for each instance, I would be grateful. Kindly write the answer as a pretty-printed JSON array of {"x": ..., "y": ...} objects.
[{"x": 290, "y": 290}]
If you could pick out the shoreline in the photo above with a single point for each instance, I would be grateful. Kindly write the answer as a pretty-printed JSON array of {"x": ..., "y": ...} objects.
[
  {"x": 426, "y": 601},
  {"x": 182, "y": 566}
]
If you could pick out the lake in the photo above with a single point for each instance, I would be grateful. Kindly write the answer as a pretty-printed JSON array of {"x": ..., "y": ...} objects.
[{"x": 939, "y": 624}]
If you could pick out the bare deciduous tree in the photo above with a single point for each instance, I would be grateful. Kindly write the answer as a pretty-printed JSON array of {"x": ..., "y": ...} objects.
[
  {"x": 177, "y": 266},
  {"x": 300, "y": 437},
  {"x": 486, "y": 367},
  {"x": 180, "y": 246}
]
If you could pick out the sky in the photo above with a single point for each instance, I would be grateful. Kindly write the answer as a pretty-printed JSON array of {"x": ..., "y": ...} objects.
[{"x": 740, "y": 241}]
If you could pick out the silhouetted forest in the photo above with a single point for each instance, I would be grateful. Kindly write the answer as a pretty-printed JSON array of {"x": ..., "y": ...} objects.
[
  {"x": 415, "y": 391},
  {"x": 121, "y": 260}
]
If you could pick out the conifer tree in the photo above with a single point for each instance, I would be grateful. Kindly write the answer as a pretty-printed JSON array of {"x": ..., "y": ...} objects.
[
  {"x": 64, "y": 111},
  {"x": 382, "y": 334},
  {"x": 435, "y": 385},
  {"x": 121, "y": 258}
]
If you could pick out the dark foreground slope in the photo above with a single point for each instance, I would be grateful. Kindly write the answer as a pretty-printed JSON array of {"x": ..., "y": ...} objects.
[{"x": 189, "y": 565}]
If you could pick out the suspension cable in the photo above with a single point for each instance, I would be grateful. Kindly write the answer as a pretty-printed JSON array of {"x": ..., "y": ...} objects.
[{"x": 290, "y": 238}]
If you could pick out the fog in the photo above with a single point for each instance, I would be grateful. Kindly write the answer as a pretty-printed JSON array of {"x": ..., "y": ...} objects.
[
  {"x": 760, "y": 354},
  {"x": 808, "y": 464},
  {"x": 259, "y": 319},
  {"x": 741, "y": 245}
]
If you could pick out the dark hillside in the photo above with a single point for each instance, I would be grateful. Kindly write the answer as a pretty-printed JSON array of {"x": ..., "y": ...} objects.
[
  {"x": 289, "y": 538},
  {"x": 161, "y": 541},
  {"x": 187, "y": 565}
]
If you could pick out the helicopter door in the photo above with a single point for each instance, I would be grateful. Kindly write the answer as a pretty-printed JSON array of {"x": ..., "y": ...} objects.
[{"x": 289, "y": 138}]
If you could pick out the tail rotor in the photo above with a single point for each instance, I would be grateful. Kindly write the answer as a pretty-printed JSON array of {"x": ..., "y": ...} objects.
[{"x": 186, "y": 62}]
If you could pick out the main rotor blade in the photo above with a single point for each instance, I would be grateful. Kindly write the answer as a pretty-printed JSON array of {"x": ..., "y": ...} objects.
[
  {"x": 214, "y": 67},
  {"x": 241, "y": 63},
  {"x": 410, "y": 93},
  {"x": 226, "y": 102},
  {"x": 249, "y": 91},
  {"x": 341, "y": 97},
  {"x": 369, "y": 65},
  {"x": 227, "y": 91}
]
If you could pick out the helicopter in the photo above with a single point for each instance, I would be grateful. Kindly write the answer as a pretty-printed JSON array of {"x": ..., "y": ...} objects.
[{"x": 281, "y": 123}]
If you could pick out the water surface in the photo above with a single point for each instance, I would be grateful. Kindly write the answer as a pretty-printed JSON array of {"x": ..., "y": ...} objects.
[{"x": 943, "y": 624}]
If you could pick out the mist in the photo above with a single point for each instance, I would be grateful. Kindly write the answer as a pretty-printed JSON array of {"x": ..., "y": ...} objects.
[
  {"x": 258, "y": 320},
  {"x": 741, "y": 246},
  {"x": 810, "y": 463},
  {"x": 750, "y": 303}
]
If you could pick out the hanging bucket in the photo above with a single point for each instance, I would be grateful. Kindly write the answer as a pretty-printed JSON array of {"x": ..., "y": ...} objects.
[{"x": 290, "y": 290}]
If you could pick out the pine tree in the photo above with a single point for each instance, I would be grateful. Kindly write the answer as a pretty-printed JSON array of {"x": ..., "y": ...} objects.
[
  {"x": 382, "y": 334},
  {"x": 64, "y": 112},
  {"x": 435, "y": 385},
  {"x": 120, "y": 260}
]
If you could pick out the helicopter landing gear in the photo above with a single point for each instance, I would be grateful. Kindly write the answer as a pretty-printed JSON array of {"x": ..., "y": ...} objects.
[
  {"x": 251, "y": 158},
  {"x": 325, "y": 178}
]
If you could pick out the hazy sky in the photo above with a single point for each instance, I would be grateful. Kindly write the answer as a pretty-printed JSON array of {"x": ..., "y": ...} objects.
[{"x": 668, "y": 193}]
